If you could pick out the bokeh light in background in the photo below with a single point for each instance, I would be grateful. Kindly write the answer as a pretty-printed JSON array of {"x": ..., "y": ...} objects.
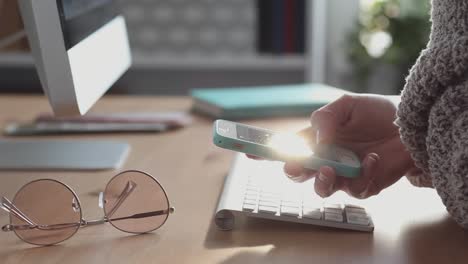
[
  {"x": 386, "y": 41},
  {"x": 378, "y": 40}
]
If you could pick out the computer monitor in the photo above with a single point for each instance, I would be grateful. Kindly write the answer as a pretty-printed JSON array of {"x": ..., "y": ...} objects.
[{"x": 80, "y": 49}]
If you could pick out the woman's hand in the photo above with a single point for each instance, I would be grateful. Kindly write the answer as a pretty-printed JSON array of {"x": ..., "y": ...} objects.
[{"x": 363, "y": 124}]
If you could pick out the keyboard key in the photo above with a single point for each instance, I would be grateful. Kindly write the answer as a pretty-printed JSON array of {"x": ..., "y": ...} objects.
[
  {"x": 291, "y": 204},
  {"x": 334, "y": 217},
  {"x": 249, "y": 201},
  {"x": 312, "y": 204},
  {"x": 254, "y": 184},
  {"x": 290, "y": 211},
  {"x": 269, "y": 196},
  {"x": 357, "y": 219},
  {"x": 267, "y": 209},
  {"x": 333, "y": 210},
  {"x": 352, "y": 206},
  {"x": 250, "y": 196},
  {"x": 333, "y": 206},
  {"x": 250, "y": 193},
  {"x": 268, "y": 203},
  {"x": 312, "y": 213},
  {"x": 248, "y": 207},
  {"x": 250, "y": 190},
  {"x": 356, "y": 210},
  {"x": 247, "y": 197},
  {"x": 315, "y": 203}
]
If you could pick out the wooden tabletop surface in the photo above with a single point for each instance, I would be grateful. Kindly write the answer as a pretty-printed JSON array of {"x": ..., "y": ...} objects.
[{"x": 411, "y": 224}]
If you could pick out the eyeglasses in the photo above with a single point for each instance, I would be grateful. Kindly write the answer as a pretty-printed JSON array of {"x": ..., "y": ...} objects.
[{"x": 47, "y": 212}]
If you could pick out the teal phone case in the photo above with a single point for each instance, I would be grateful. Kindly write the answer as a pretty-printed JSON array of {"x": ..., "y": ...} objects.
[{"x": 313, "y": 163}]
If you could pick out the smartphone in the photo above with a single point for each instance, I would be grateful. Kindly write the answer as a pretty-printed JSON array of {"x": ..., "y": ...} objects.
[{"x": 284, "y": 147}]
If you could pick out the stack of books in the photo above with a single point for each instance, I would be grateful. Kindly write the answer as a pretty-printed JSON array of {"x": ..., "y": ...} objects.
[
  {"x": 281, "y": 26},
  {"x": 263, "y": 101}
]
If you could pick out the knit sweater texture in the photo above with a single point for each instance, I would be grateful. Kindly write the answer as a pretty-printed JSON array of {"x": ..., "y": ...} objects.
[{"x": 433, "y": 113}]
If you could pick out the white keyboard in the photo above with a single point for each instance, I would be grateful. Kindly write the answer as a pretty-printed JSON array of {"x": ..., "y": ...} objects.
[{"x": 260, "y": 189}]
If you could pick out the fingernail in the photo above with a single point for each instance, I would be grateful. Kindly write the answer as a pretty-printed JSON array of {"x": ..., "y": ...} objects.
[
  {"x": 292, "y": 176},
  {"x": 319, "y": 137},
  {"x": 363, "y": 194},
  {"x": 369, "y": 161},
  {"x": 323, "y": 178},
  {"x": 321, "y": 194},
  {"x": 298, "y": 179}
]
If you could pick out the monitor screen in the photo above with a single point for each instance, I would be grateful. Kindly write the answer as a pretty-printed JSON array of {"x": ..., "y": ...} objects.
[{"x": 81, "y": 18}]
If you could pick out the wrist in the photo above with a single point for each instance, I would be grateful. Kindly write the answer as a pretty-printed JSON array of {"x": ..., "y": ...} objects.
[
  {"x": 415, "y": 175},
  {"x": 409, "y": 164},
  {"x": 395, "y": 99}
]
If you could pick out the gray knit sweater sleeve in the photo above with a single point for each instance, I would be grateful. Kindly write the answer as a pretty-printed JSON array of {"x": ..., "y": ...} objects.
[{"x": 433, "y": 113}]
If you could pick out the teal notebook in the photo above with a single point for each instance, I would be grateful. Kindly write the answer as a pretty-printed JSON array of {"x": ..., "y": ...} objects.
[{"x": 267, "y": 101}]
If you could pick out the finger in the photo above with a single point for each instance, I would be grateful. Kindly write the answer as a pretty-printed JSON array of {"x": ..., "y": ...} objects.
[
  {"x": 293, "y": 169},
  {"x": 304, "y": 177},
  {"x": 325, "y": 182},
  {"x": 254, "y": 157},
  {"x": 296, "y": 172},
  {"x": 309, "y": 135},
  {"x": 373, "y": 186},
  {"x": 359, "y": 187},
  {"x": 329, "y": 118}
]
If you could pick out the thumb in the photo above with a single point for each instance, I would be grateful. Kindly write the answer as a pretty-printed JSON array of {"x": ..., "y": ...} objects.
[{"x": 327, "y": 120}]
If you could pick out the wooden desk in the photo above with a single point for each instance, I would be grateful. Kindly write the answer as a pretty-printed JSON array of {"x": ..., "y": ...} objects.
[{"x": 411, "y": 224}]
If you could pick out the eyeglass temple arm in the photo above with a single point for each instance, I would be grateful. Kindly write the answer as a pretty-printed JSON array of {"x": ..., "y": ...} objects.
[
  {"x": 148, "y": 214},
  {"x": 11, "y": 208},
  {"x": 135, "y": 216},
  {"x": 7, "y": 228},
  {"x": 85, "y": 223},
  {"x": 129, "y": 187}
]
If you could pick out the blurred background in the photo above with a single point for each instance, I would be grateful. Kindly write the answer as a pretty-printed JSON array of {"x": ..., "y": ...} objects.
[{"x": 362, "y": 46}]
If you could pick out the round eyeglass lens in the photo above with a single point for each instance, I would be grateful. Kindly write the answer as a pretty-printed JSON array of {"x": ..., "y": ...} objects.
[
  {"x": 54, "y": 209},
  {"x": 135, "y": 202}
]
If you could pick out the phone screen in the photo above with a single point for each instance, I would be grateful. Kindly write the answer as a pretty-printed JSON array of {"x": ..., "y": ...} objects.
[
  {"x": 286, "y": 144},
  {"x": 254, "y": 135}
]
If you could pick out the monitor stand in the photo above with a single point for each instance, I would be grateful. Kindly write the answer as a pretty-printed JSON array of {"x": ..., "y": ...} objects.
[{"x": 62, "y": 154}]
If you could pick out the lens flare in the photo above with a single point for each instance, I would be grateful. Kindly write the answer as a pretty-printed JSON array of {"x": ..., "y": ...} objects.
[{"x": 290, "y": 145}]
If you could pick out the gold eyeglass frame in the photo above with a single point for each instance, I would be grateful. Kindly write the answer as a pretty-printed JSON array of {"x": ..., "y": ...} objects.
[{"x": 13, "y": 211}]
